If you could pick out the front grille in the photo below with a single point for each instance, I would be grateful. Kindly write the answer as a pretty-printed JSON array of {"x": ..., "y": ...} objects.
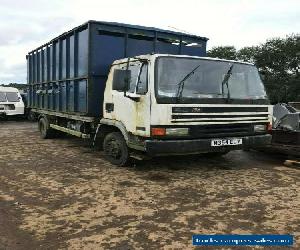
[
  {"x": 220, "y": 130},
  {"x": 219, "y": 115},
  {"x": 7, "y": 107},
  {"x": 217, "y": 109}
]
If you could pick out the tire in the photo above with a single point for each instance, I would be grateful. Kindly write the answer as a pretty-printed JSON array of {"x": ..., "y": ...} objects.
[
  {"x": 31, "y": 116},
  {"x": 44, "y": 127},
  {"x": 3, "y": 117},
  {"x": 115, "y": 149}
]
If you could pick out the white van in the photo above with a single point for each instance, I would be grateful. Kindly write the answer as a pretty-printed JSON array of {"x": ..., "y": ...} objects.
[{"x": 11, "y": 102}]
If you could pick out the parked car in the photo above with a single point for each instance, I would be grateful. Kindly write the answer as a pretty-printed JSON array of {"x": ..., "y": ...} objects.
[{"x": 11, "y": 102}]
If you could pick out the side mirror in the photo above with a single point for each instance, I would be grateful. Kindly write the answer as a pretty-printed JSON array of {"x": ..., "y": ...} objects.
[{"x": 121, "y": 79}]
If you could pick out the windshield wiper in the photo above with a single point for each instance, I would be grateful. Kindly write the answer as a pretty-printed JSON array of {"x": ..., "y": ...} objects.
[
  {"x": 182, "y": 82},
  {"x": 225, "y": 81}
]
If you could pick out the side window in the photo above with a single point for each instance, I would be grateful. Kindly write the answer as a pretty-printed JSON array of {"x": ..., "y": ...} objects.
[
  {"x": 138, "y": 80},
  {"x": 142, "y": 84},
  {"x": 135, "y": 70}
]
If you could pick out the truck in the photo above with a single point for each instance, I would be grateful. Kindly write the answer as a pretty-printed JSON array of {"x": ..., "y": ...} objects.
[
  {"x": 11, "y": 103},
  {"x": 141, "y": 92}
]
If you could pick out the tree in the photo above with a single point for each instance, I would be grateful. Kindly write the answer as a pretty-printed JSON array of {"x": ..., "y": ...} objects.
[
  {"x": 248, "y": 54},
  {"x": 223, "y": 52},
  {"x": 278, "y": 59}
]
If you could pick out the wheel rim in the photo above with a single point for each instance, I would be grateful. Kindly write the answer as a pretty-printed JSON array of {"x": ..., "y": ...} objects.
[{"x": 113, "y": 149}]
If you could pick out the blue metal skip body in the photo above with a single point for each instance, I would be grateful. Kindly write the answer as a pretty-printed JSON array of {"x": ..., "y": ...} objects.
[{"x": 68, "y": 74}]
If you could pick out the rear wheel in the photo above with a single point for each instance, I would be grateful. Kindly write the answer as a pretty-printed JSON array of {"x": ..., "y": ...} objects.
[
  {"x": 115, "y": 149},
  {"x": 44, "y": 128}
]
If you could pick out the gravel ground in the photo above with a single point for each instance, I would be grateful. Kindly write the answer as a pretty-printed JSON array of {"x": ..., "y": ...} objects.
[{"x": 59, "y": 193}]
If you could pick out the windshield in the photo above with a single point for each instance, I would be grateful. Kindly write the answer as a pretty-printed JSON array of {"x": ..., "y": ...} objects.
[
  {"x": 12, "y": 97},
  {"x": 9, "y": 97},
  {"x": 206, "y": 82},
  {"x": 2, "y": 97}
]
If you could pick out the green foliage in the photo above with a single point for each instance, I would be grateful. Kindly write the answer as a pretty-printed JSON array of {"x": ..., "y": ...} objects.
[
  {"x": 247, "y": 54},
  {"x": 278, "y": 59},
  {"x": 223, "y": 52},
  {"x": 15, "y": 85}
]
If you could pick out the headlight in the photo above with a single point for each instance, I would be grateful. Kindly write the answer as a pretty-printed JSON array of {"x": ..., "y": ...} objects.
[
  {"x": 177, "y": 131},
  {"x": 169, "y": 131},
  {"x": 259, "y": 128}
]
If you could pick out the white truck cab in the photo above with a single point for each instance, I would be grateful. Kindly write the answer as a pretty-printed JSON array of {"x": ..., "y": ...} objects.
[
  {"x": 175, "y": 104},
  {"x": 11, "y": 102}
]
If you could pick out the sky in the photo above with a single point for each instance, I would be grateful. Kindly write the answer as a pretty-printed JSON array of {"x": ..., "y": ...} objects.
[{"x": 27, "y": 24}]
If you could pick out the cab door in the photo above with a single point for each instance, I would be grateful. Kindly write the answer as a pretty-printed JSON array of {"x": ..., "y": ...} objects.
[{"x": 132, "y": 107}]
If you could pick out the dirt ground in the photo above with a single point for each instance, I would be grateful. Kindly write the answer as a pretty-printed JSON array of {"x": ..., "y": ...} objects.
[{"x": 59, "y": 193}]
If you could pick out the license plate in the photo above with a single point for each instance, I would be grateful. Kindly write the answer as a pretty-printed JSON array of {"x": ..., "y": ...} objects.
[{"x": 226, "y": 142}]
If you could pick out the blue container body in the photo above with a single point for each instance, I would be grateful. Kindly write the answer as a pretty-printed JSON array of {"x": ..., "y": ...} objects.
[{"x": 68, "y": 74}]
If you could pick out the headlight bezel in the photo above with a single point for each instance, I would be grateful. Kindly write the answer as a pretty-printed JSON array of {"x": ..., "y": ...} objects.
[
  {"x": 260, "y": 128},
  {"x": 169, "y": 131},
  {"x": 177, "y": 131}
]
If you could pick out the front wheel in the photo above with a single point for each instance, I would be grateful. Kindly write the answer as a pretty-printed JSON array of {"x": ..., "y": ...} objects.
[{"x": 115, "y": 149}]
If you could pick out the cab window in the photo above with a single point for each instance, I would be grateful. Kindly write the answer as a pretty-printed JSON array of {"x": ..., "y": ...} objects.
[
  {"x": 135, "y": 70},
  {"x": 142, "y": 84},
  {"x": 138, "y": 79}
]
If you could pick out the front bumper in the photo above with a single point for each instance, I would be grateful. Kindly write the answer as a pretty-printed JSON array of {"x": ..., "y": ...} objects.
[
  {"x": 17, "y": 111},
  {"x": 174, "y": 147}
]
